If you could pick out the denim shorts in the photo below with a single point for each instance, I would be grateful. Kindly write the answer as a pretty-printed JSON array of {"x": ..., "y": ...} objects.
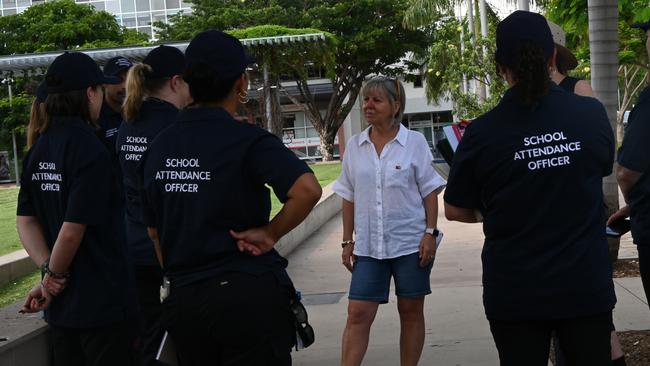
[{"x": 371, "y": 278}]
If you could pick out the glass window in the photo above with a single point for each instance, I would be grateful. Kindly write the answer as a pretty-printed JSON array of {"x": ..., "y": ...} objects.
[
  {"x": 113, "y": 7},
  {"x": 417, "y": 83},
  {"x": 23, "y": 3},
  {"x": 127, "y": 6},
  {"x": 313, "y": 151},
  {"x": 99, "y": 6},
  {"x": 144, "y": 19},
  {"x": 186, "y": 5},
  {"x": 158, "y": 4},
  {"x": 142, "y": 5},
  {"x": 300, "y": 120},
  {"x": 288, "y": 120},
  {"x": 301, "y": 152},
  {"x": 35, "y": 2},
  {"x": 300, "y": 133},
  {"x": 9, "y": 4},
  {"x": 128, "y": 21},
  {"x": 158, "y": 17},
  {"x": 9, "y": 12},
  {"x": 172, "y": 4},
  {"x": 311, "y": 132}
]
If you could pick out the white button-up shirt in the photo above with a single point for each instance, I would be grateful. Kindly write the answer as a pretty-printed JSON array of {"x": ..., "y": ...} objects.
[{"x": 387, "y": 192}]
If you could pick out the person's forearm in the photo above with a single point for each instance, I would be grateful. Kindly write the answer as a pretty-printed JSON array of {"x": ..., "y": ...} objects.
[
  {"x": 302, "y": 197},
  {"x": 431, "y": 209},
  {"x": 66, "y": 246},
  {"x": 153, "y": 235},
  {"x": 467, "y": 215},
  {"x": 627, "y": 179},
  {"x": 31, "y": 235},
  {"x": 348, "y": 219}
]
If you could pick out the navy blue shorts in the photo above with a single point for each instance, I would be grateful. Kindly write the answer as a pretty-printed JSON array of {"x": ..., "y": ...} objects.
[{"x": 371, "y": 278}]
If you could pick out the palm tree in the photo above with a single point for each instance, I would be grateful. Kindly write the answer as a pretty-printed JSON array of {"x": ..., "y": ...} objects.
[{"x": 603, "y": 46}]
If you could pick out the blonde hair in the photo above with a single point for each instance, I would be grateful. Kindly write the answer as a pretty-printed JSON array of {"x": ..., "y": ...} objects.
[
  {"x": 392, "y": 88},
  {"x": 138, "y": 88}
]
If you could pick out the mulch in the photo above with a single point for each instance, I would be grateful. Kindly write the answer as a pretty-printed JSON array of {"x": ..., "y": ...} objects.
[{"x": 635, "y": 343}]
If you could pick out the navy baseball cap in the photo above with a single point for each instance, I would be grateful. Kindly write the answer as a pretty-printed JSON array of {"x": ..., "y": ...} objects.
[
  {"x": 643, "y": 26},
  {"x": 116, "y": 65},
  {"x": 222, "y": 52},
  {"x": 517, "y": 28},
  {"x": 165, "y": 61},
  {"x": 75, "y": 71}
]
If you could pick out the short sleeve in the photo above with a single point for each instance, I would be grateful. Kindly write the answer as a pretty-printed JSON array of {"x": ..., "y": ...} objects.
[
  {"x": 634, "y": 153},
  {"x": 463, "y": 188},
  {"x": 268, "y": 161},
  {"x": 25, "y": 206},
  {"x": 344, "y": 185},
  {"x": 426, "y": 177},
  {"x": 91, "y": 180}
]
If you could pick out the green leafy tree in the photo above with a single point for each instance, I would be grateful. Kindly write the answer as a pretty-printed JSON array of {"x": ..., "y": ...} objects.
[
  {"x": 370, "y": 35},
  {"x": 51, "y": 26},
  {"x": 62, "y": 25},
  {"x": 632, "y": 55}
]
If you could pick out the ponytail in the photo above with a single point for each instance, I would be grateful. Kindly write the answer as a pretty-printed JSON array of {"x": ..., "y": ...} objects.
[
  {"x": 530, "y": 72},
  {"x": 135, "y": 91}
]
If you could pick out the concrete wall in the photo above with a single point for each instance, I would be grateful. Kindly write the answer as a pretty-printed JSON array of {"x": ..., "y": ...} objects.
[
  {"x": 15, "y": 265},
  {"x": 27, "y": 336}
]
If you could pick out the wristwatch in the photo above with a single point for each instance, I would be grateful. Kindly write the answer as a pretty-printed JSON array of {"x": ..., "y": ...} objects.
[{"x": 432, "y": 231}]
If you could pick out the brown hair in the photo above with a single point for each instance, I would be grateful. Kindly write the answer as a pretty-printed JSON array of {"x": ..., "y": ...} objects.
[
  {"x": 37, "y": 122},
  {"x": 138, "y": 88},
  {"x": 69, "y": 104}
]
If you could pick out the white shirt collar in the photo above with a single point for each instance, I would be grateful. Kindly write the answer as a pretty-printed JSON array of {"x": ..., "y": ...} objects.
[{"x": 402, "y": 135}]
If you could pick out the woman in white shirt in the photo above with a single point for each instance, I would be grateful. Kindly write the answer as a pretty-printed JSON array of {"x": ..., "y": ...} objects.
[{"x": 390, "y": 200}]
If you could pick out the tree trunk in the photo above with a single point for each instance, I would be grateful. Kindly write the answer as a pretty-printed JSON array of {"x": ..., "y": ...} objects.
[
  {"x": 327, "y": 147},
  {"x": 522, "y": 5},
  {"x": 603, "y": 45}
]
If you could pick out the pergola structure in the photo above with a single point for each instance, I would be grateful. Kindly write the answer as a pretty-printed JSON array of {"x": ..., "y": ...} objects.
[{"x": 37, "y": 62}]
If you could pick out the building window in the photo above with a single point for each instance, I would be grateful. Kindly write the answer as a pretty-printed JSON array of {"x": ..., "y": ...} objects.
[{"x": 418, "y": 81}]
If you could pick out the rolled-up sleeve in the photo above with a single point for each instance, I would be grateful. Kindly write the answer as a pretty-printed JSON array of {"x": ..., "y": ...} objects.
[
  {"x": 428, "y": 180},
  {"x": 344, "y": 185}
]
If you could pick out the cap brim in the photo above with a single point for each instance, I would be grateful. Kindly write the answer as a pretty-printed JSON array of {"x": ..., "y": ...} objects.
[
  {"x": 566, "y": 57},
  {"x": 644, "y": 26},
  {"x": 111, "y": 80}
]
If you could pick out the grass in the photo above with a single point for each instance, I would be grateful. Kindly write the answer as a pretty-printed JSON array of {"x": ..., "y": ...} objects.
[
  {"x": 325, "y": 173},
  {"x": 17, "y": 290},
  {"x": 9, "y": 241}
]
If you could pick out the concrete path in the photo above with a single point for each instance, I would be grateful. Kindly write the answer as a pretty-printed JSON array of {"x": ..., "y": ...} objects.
[{"x": 457, "y": 331}]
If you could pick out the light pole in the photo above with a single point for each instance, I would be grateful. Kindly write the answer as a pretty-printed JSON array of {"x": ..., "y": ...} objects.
[{"x": 10, "y": 81}]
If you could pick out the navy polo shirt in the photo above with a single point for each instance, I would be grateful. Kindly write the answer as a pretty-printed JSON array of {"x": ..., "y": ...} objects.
[
  {"x": 536, "y": 176},
  {"x": 65, "y": 179},
  {"x": 208, "y": 174},
  {"x": 109, "y": 124},
  {"x": 634, "y": 154},
  {"x": 133, "y": 141}
]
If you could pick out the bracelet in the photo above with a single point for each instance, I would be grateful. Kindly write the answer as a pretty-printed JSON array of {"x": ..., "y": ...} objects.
[
  {"x": 345, "y": 243},
  {"x": 45, "y": 270}
]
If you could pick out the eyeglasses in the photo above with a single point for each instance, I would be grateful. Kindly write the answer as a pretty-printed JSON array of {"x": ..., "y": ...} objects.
[{"x": 304, "y": 331}]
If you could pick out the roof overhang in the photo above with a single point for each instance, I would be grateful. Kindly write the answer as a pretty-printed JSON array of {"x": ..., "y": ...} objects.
[{"x": 36, "y": 63}]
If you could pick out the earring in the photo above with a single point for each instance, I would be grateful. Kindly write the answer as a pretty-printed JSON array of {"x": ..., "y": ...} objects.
[{"x": 243, "y": 97}]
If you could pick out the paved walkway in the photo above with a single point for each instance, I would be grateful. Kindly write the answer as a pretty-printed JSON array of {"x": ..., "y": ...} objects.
[{"x": 457, "y": 331}]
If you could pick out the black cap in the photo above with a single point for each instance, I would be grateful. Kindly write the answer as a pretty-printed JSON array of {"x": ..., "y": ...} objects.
[
  {"x": 116, "y": 65},
  {"x": 517, "y": 28},
  {"x": 643, "y": 26},
  {"x": 41, "y": 92},
  {"x": 75, "y": 71},
  {"x": 222, "y": 52},
  {"x": 165, "y": 61}
]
